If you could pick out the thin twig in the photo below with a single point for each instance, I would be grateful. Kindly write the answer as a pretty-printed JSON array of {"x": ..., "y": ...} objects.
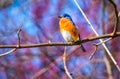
[
  {"x": 116, "y": 15},
  {"x": 65, "y": 64},
  {"x": 105, "y": 47},
  {"x": 39, "y": 73},
  {"x": 18, "y": 34},
  {"x": 17, "y": 46},
  {"x": 59, "y": 59},
  {"x": 6, "y": 53},
  {"x": 93, "y": 53},
  {"x": 104, "y": 41},
  {"x": 96, "y": 47}
]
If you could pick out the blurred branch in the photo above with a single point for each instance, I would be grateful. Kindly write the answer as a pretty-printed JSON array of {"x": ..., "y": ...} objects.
[
  {"x": 5, "y": 3},
  {"x": 65, "y": 64},
  {"x": 108, "y": 67},
  {"x": 106, "y": 60},
  {"x": 42, "y": 71},
  {"x": 105, "y": 47},
  {"x": 116, "y": 15}
]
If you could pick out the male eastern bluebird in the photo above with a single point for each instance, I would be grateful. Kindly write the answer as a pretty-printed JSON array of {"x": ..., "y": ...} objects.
[{"x": 68, "y": 30}]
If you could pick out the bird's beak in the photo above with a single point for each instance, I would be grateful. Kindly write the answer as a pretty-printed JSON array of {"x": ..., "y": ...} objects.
[{"x": 60, "y": 16}]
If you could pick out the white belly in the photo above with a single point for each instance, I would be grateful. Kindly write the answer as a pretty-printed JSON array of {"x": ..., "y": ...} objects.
[{"x": 67, "y": 36}]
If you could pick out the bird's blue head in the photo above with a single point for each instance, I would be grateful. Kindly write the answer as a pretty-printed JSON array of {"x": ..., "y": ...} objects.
[{"x": 65, "y": 16}]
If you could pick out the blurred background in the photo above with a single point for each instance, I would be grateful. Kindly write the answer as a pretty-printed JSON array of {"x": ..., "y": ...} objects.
[{"x": 41, "y": 25}]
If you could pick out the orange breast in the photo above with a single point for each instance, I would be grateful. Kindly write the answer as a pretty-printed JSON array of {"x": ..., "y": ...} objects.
[{"x": 66, "y": 24}]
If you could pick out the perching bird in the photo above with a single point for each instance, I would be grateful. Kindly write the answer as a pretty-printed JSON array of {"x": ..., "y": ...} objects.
[{"x": 68, "y": 30}]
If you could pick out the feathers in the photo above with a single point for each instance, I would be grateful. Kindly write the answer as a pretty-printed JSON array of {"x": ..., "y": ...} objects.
[{"x": 68, "y": 30}]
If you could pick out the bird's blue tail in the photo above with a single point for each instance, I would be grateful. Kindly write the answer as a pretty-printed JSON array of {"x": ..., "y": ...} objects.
[{"x": 83, "y": 49}]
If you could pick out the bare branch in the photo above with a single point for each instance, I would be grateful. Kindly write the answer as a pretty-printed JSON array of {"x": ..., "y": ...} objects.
[
  {"x": 6, "y": 53},
  {"x": 18, "y": 33},
  {"x": 65, "y": 64},
  {"x": 91, "y": 56},
  {"x": 15, "y": 48},
  {"x": 60, "y": 43},
  {"x": 105, "y": 47},
  {"x": 42, "y": 71},
  {"x": 96, "y": 47},
  {"x": 116, "y": 15},
  {"x": 108, "y": 67},
  {"x": 104, "y": 41}
]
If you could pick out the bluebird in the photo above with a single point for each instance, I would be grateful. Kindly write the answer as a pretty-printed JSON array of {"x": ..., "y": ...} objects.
[{"x": 68, "y": 30}]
